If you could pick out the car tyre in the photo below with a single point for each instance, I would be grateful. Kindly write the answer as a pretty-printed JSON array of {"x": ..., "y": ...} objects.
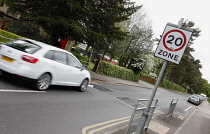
[
  {"x": 83, "y": 85},
  {"x": 43, "y": 82}
]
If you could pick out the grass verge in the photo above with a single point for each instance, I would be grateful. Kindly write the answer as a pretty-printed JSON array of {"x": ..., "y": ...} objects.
[{"x": 91, "y": 65}]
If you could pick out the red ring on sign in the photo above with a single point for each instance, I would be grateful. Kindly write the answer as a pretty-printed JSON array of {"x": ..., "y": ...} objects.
[{"x": 164, "y": 40}]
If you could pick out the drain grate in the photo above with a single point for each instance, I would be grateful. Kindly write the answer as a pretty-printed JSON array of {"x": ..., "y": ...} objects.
[{"x": 101, "y": 88}]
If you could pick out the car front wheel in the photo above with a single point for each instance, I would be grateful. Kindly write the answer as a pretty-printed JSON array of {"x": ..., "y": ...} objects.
[
  {"x": 43, "y": 82},
  {"x": 83, "y": 85}
]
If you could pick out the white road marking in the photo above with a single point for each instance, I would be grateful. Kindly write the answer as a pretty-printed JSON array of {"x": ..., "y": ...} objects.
[
  {"x": 180, "y": 117},
  {"x": 184, "y": 123},
  {"x": 123, "y": 102},
  {"x": 188, "y": 108},
  {"x": 91, "y": 86},
  {"x": 21, "y": 91}
]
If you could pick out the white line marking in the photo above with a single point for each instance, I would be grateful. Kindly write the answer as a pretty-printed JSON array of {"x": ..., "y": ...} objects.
[
  {"x": 21, "y": 91},
  {"x": 91, "y": 86},
  {"x": 184, "y": 123},
  {"x": 180, "y": 117},
  {"x": 123, "y": 102},
  {"x": 142, "y": 104},
  {"x": 188, "y": 108}
]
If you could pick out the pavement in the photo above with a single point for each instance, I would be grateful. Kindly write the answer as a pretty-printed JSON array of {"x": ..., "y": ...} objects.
[
  {"x": 103, "y": 78},
  {"x": 159, "y": 123}
]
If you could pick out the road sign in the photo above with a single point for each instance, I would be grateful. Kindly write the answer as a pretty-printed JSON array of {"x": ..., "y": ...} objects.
[{"x": 173, "y": 43}]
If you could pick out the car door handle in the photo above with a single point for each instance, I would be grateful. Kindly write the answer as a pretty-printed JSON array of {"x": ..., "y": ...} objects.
[{"x": 55, "y": 66}]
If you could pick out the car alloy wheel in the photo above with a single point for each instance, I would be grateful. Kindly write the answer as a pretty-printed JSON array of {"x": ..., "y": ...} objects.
[
  {"x": 43, "y": 82},
  {"x": 83, "y": 85}
]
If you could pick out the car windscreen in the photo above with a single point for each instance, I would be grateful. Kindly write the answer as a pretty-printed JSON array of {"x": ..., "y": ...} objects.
[
  {"x": 23, "y": 45},
  {"x": 195, "y": 97}
]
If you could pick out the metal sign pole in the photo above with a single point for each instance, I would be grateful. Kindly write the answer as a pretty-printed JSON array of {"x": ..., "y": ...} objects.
[{"x": 145, "y": 114}]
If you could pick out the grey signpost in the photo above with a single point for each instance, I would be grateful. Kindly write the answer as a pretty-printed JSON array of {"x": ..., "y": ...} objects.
[{"x": 180, "y": 39}]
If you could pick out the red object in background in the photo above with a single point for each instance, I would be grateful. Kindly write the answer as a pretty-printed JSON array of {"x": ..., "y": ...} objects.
[
  {"x": 3, "y": 26},
  {"x": 63, "y": 43}
]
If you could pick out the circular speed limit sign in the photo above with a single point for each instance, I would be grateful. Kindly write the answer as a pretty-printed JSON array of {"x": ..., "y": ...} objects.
[
  {"x": 174, "y": 40},
  {"x": 173, "y": 43}
]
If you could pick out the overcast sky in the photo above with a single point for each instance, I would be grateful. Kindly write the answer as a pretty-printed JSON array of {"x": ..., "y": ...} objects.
[{"x": 160, "y": 12}]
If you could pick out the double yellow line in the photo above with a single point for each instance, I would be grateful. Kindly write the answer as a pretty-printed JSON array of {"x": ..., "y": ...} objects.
[{"x": 109, "y": 123}]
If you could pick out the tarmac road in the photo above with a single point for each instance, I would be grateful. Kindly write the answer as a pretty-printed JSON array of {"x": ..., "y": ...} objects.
[
  {"x": 63, "y": 110},
  {"x": 199, "y": 123}
]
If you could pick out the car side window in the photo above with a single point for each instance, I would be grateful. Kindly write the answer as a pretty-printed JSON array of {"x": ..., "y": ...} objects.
[
  {"x": 72, "y": 61},
  {"x": 49, "y": 55},
  {"x": 60, "y": 57}
]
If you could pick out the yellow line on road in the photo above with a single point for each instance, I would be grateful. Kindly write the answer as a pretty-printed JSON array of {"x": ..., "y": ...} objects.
[
  {"x": 107, "y": 126},
  {"x": 84, "y": 130}
]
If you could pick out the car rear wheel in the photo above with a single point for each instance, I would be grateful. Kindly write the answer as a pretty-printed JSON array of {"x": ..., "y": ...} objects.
[
  {"x": 43, "y": 82},
  {"x": 83, "y": 85}
]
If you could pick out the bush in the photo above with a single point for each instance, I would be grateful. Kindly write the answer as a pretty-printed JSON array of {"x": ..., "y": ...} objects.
[
  {"x": 172, "y": 86},
  {"x": 76, "y": 49},
  {"x": 91, "y": 66},
  {"x": 8, "y": 35},
  {"x": 110, "y": 69},
  {"x": 83, "y": 59},
  {"x": 148, "y": 79}
]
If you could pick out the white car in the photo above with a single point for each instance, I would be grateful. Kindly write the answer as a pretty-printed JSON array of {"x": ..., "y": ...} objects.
[{"x": 45, "y": 64}]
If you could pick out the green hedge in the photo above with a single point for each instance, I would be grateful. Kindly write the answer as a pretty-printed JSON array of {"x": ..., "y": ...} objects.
[
  {"x": 110, "y": 69},
  {"x": 148, "y": 78},
  {"x": 8, "y": 35},
  {"x": 76, "y": 49},
  {"x": 82, "y": 59},
  {"x": 172, "y": 86}
]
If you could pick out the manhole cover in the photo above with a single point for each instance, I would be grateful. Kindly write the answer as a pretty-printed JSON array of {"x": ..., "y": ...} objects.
[{"x": 101, "y": 88}]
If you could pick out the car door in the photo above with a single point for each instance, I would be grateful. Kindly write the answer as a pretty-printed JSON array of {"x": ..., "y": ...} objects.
[
  {"x": 58, "y": 67},
  {"x": 77, "y": 71}
]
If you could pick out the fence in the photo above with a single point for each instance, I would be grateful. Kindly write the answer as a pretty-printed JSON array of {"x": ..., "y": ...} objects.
[{"x": 136, "y": 115}]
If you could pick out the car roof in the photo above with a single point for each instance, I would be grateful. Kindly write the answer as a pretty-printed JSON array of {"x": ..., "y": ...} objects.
[
  {"x": 44, "y": 45},
  {"x": 199, "y": 96},
  {"x": 47, "y": 46}
]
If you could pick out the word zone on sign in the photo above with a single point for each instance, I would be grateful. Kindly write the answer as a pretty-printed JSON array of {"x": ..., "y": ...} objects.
[{"x": 173, "y": 44}]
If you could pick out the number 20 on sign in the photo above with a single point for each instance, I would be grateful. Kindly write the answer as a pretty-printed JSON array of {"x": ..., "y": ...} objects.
[{"x": 173, "y": 43}]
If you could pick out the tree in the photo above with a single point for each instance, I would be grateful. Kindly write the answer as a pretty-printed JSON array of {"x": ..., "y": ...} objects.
[
  {"x": 206, "y": 88},
  {"x": 139, "y": 42},
  {"x": 89, "y": 21},
  {"x": 28, "y": 30},
  {"x": 187, "y": 73}
]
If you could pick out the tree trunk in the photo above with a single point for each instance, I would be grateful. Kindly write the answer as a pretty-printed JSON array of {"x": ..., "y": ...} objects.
[
  {"x": 103, "y": 55},
  {"x": 86, "y": 50},
  {"x": 55, "y": 38},
  {"x": 96, "y": 64}
]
